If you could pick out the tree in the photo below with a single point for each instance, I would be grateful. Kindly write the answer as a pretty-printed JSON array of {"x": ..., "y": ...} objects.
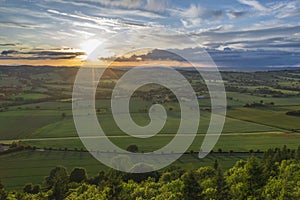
[
  {"x": 148, "y": 189},
  {"x": 57, "y": 181},
  {"x": 36, "y": 189},
  {"x": 286, "y": 184},
  {"x": 100, "y": 178},
  {"x": 30, "y": 189},
  {"x": 114, "y": 183},
  {"x": 133, "y": 148},
  {"x": 3, "y": 193},
  {"x": 256, "y": 180},
  {"x": 56, "y": 173},
  {"x": 191, "y": 188},
  {"x": 171, "y": 191},
  {"x": 171, "y": 173},
  {"x": 220, "y": 182},
  {"x": 236, "y": 179},
  {"x": 85, "y": 191},
  {"x": 298, "y": 153},
  {"x": 78, "y": 175},
  {"x": 216, "y": 165}
]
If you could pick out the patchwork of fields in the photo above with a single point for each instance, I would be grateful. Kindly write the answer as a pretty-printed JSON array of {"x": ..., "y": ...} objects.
[{"x": 40, "y": 115}]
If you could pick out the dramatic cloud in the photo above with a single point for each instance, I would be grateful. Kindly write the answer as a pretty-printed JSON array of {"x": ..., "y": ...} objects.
[
  {"x": 238, "y": 25},
  {"x": 8, "y": 44},
  {"x": 39, "y": 55},
  {"x": 197, "y": 15}
]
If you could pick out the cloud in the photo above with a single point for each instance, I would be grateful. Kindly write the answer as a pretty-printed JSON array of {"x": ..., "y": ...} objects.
[
  {"x": 116, "y": 3},
  {"x": 253, "y": 3},
  {"x": 193, "y": 11},
  {"x": 18, "y": 25},
  {"x": 247, "y": 35},
  {"x": 156, "y": 5},
  {"x": 55, "y": 23},
  {"x": 252, "y": 59},
  {"x": 9, "y": 44},
  {"x": 39, "y": 54},
  {"x": 98, "y": 20},
  {"x": 286, "y": 10},
  {"x": 195, "y": 15},
  {"x": 236, "y": 14}
]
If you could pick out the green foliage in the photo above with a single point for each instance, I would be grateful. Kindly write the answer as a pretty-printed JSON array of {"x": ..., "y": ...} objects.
[
  {"x": 31, "y": 189},
  {"x": 86, "y": 191},
  {"x": 113, "y": 183},
  {"x": 191, "y": 188},
  {"x": 3, "y": 193},
  {"x": 286, "y": 185},
  {"x": 276, "y": 176},
  {"x": 57, "y": 182},
  {"x": 78, "y": 175},
  {"x": 245, "y": 179}
]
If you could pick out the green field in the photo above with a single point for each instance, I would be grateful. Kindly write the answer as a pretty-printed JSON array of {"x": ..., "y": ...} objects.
[
  {"x": 38, "y": 112},
  {"x": 236, "y": 142},
  {"x": 21, "y": 123},
  {"x": 36, "y": 165},
  {"x": 242, "y": 99},
  {"x": 270, "y": 117},
  {"x": 49, "y": 123}
]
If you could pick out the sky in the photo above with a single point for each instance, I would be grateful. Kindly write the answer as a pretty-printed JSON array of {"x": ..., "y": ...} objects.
[{"x": 235, "y": 33}]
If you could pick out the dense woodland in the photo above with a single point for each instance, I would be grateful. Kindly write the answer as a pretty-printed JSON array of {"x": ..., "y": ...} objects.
[{"x": 275, "y": 176}]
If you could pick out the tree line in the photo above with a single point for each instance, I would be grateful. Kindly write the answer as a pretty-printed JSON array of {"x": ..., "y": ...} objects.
[{"x": 274, "y": 176}]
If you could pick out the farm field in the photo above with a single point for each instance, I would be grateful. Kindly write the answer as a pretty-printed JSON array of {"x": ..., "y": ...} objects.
[
  {"x": 274, "y": 117},
  {"x": 47, "y": 121},
  {"x": 39, "y": 114},
  {"x": 50, "y": 123},
  {"x": 37, "y": 164},
  {"x": 236, "y": 142}
]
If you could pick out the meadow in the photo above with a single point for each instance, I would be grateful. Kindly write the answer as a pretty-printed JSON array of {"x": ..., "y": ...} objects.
[
  {"x": 37, "y": 111},
  {"x": 36, "y": 165}
]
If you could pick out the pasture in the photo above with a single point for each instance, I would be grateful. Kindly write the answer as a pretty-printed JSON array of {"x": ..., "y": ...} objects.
[{"x": 38, "y": 111}]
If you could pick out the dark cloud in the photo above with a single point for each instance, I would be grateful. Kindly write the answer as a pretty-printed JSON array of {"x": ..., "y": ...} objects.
[
  {"x": 38, "y": 55},
  {"x": 260, "y": 38},
  {"x": 255, "y": 33},
  {"x": 18, "y": 25},
  {"x": 270, "y": 43},
  {"x": 7, "y": 52},
  {"x": 228, "y": 57},
  {"x": 8, "y": 44},
  {"x": 254, "y": 59}
]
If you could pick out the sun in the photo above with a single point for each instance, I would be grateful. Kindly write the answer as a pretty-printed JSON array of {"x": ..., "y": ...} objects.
[{"x": 89, "y": 46}]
